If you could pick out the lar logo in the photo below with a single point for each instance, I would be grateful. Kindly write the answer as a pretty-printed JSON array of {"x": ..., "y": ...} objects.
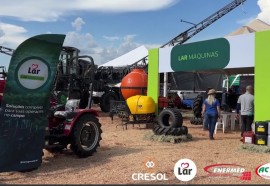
[
  {"x": 33, "y": 73},
  {"x": 263, "y": 171},
  {"x": 185, "y": 170}
]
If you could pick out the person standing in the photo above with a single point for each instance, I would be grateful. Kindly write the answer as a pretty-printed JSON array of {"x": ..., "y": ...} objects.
[
  {"x": 211, "y": 110},
  {"x": 245, "y": 107},
  {"x": 205, "y": 119}
]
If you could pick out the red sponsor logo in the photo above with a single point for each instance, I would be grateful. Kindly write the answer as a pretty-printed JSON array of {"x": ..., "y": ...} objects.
[{"x": 228, "y": 170}]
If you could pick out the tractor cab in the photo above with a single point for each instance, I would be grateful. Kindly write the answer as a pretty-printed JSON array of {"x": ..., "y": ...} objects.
[{"x": 75, "y": 76}]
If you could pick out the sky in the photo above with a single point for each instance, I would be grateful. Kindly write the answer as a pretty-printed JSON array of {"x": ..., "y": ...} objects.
[{"x": 107, "y": 29}]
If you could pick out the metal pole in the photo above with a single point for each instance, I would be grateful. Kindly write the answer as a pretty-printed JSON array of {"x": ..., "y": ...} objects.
[
  {"x": 227, "y": 88},
  {"x": 165, "y": 85}
]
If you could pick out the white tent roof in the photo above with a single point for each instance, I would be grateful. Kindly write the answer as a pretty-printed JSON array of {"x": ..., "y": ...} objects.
[
  {"x": 129, "y": 58},
  {"x": 253, "y": 26}
]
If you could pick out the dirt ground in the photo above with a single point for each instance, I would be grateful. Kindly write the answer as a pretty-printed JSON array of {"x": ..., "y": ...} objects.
[{"x": 124, "y": 152}]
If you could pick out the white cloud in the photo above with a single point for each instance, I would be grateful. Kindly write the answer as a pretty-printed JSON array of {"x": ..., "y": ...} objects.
[
  {"x": 51, "y": 10},
  {"x": 77, "y": 23},
  {"x": 11, "y": 35},
  {"x": 127, "y": 44},
  {"x": 264, "y": 15},
  {"x": 101, "y": 54},
  {"x": 245, "y": 21},
  {"x": 84, "y": 42},
  {"x": 2, "y": 33},
  {"x": 111, "y": 38}
]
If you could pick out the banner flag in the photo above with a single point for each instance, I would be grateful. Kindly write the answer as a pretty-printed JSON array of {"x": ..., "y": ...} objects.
[{"x": 24, "y": 107}]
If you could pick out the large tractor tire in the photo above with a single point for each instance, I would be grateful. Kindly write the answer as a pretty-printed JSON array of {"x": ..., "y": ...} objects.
[
  {"x": 170, "y": 118},
  {"x": 105, "y": 100},
  {"x": 192, "y": 120},
  {"x": 196, "y": 121},
  {"x": 197, "y": 105},
  {"x": 86, "y": 136},
  {"x": 158, "y": 130}
]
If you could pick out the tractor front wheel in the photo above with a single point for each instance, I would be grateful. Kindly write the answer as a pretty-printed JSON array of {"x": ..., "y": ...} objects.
[{"x": 86, "y": 136}]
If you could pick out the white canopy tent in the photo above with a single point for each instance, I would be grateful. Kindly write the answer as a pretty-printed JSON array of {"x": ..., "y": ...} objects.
[
  {"x": 253, "y": 26},
  {"x": 129, "y": 58}
]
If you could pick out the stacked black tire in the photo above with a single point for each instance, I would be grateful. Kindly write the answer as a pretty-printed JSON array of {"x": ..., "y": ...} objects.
[
  {"x": 197, "y": 110},
  {"x": 170, "y": 122},
  {"x": 196, "y": 120}
]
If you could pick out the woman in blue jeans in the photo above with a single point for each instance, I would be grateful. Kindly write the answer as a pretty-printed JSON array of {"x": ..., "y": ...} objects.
[{"x": 211, "y": 110}]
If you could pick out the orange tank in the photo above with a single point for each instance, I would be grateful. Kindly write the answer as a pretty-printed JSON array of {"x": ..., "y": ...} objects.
[{"x": 134, "y": 83}]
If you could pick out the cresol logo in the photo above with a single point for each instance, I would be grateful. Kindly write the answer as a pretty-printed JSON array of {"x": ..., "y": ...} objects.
[
  {"x": 149, "y": 165},
  {"x": 263, "y": 171}
]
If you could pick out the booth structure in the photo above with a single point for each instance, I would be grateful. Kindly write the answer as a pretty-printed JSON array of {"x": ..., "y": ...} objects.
[{"x": 242, "y": 54}]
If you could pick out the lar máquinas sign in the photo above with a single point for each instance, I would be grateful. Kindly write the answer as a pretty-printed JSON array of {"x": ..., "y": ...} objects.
[{"x": 204, "y": 55}]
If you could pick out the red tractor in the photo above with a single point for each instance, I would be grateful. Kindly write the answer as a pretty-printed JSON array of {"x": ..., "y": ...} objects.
[
  {"x": 73, "y": 122},
  {"x": 71, "y": 119},
  {"x": 3, "y": 76}
]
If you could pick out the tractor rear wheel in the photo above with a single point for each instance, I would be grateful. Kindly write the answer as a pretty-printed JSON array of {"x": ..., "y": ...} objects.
[
  {"x": 170, "y": 118},
  {"x": 105, "y": 100},
  {"x": 86, "y": 136},
  {"x": 197, "y": 106}
]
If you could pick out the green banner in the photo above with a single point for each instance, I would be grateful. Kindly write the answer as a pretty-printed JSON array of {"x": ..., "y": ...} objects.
[
  {"x": 25, "y": 103},
  {"x": 203, "y": 55},
  {"x": 153, "y": 79},
  {"x": 234, "y": 80},
  {"x": 262, "y": 76}
]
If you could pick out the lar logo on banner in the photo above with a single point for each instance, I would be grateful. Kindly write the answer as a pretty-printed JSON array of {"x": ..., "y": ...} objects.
[
  {"x": 185, "y": 170},
  {"x": 32, "y": 73}
]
